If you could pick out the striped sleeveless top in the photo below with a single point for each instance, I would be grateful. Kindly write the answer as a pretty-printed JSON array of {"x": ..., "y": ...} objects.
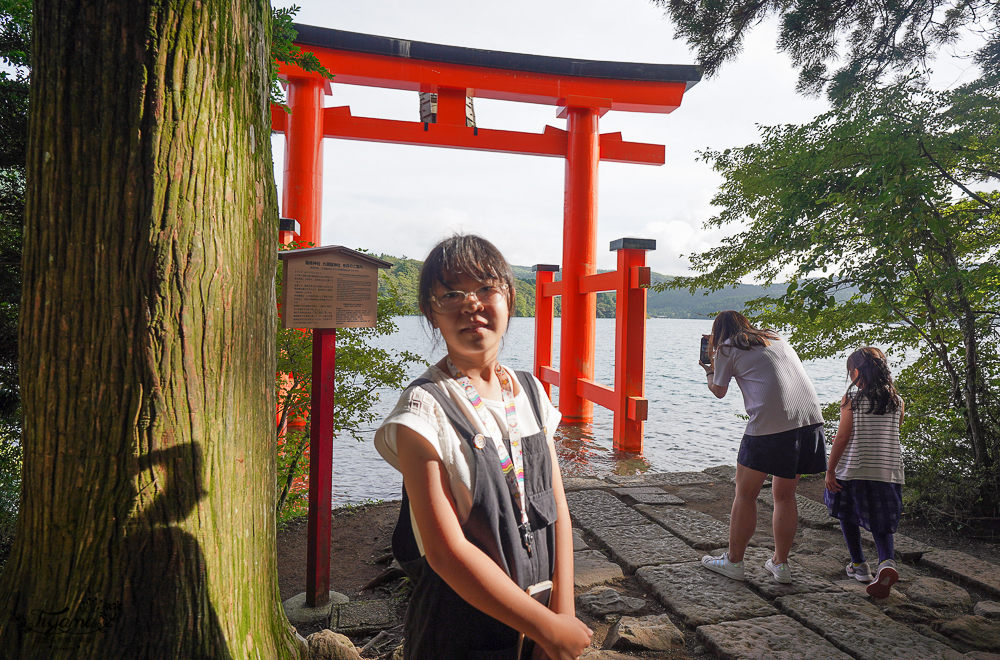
[{"x": 873, "y": 453}]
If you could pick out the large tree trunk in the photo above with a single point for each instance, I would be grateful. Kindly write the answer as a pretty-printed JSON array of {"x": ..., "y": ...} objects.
[{"x": 147, "y": 322}]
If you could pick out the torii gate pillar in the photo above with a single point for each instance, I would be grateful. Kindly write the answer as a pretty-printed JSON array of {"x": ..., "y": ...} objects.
[
  {"x": 302, "y": 185},
  {"x": 579, "y": 310}
]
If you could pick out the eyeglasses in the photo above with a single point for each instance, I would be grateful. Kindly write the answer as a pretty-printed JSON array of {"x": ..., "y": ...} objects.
[{"x": 488, "y": 294}]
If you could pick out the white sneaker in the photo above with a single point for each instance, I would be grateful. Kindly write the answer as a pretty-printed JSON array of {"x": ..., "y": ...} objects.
[
  {"x": 723, "y": 566},
  {"x": 862, "y": 572},
  {"x": 781, "y": 572}
]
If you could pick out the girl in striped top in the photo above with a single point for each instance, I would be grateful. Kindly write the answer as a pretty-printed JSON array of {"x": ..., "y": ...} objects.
[{"x": 864, "y": 476}]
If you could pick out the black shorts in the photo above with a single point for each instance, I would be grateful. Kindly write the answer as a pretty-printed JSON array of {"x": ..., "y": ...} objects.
[{"x": 786, "y": 454}]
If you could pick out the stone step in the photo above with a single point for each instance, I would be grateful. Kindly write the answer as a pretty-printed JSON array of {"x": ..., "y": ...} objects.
[
  {"x": 583, "y": 483},
  {"x": 811, "y": 513},
  {"x": 859, "y": 628},
  {"x": 774, "y": 637},
  {"x": 591, "y": 567},
  {"x": 596, "y": 508},
  {"x": 662, "y": 479},
  {"x": 966, "y": 568},
  {"x": 635, "y": 546},
  {"x": 701, "y": 597},
  {"x": 722, "y": 472},
  {"x": 648, "y": 495},
  {"x": 699, "y": 530},
  {"x": 760, "y": 579}
]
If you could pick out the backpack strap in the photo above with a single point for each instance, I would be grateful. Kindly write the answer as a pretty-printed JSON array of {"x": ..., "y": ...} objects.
[{"x": 527, "y": 381}]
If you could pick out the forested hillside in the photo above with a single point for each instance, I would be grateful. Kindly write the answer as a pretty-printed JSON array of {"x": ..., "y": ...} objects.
[{"x": 667, "y": 304}]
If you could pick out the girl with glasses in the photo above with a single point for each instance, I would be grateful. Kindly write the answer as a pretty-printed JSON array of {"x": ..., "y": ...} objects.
[{"x": 484, "y": 531}]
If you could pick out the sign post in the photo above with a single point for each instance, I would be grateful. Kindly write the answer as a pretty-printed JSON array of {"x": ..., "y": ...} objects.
[{"x": 325, "y": 288}]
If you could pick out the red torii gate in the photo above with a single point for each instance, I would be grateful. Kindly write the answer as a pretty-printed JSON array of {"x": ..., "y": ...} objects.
[{"x": 583, "y": 91}]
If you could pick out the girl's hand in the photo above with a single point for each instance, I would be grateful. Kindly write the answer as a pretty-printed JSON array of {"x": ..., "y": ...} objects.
[
  {"x": 566, "y": 641},
  {"x": 831, "y": 482}
]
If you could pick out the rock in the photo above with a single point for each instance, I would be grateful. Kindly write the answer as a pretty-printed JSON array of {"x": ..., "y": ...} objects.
[
  {"x": 301, "y": 616},
  {"x": 987, "y": 608},
  {"x": 662, "y": 479},
  {"x": 910, "y": 612},
  {"x": 601, "y": 654},
  {"x": 655, "y": 632},
  {"x": 980, "y": 655},
  {"x": 700, "y": 596},
  {"x": 635, "y": 546},
  {"x": 596, "y": 508},
  {"x": 699, "y": 530},
  {"x": 976, "y": 631},
  {"x": 939, "y": 594},
  {"x": 591, "y": 567},
  {"x": 362, "y": 617},
  {"x": 601, "y": 601},
  {"x": 722, "y": 472},
  {"x": 775, "y": 638},
  {"x": 968, "y": 569},
  {"x": 328, "y": 645},
  {"x": 762, "y": 581},
  {"x": 578, "y": 542},
  {"x": 649, "y": 495},
  {"x": 695, "y": 494},
  {"x": 583, "y": 483},
  {"x": 859, "y": 627}
]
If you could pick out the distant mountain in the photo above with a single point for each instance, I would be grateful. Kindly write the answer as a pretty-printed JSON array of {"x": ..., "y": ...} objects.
[{"x": 668, "y": 304}]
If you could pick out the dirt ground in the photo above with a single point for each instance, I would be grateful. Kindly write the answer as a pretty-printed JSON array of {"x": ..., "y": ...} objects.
[{"x": 361, "y": 538}]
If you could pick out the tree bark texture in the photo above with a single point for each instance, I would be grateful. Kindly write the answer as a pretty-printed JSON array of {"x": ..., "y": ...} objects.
[{"x": 147, "y": 524}]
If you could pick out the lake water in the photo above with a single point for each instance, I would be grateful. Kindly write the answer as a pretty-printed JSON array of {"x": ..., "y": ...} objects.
[{"x": 688, "y": 428}]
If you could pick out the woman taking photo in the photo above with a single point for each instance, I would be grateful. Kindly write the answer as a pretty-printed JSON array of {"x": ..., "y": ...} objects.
[
  {"x": 783, "y": 438},
  {"x": 484, "y": 531}
]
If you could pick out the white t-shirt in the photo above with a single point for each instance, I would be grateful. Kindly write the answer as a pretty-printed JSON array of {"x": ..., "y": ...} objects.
[
  {"x": 777, "y": 393},
  {"x": 419, "y": 411}
]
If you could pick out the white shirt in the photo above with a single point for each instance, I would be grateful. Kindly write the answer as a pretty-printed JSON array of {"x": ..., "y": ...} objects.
[
  {"x": 419, "y": 410},
  {"x": 777, "y": 393}
]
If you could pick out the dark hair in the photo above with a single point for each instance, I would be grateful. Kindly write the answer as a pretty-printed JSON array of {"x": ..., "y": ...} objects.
[
  {"x": 463, "y": 254},
  {"x": 736, "y": 327},
  {"x": 873, "y": 383}
]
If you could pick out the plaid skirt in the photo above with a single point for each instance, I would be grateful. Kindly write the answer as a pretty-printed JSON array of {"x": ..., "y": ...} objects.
[{"x": 874, "y": 505}]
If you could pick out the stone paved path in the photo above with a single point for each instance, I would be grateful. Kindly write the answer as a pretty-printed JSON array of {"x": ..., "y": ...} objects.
[{"x": 644, "y": 527}]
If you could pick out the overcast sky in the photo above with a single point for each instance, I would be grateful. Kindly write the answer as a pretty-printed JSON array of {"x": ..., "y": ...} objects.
[{"x": 400, "y": 200}]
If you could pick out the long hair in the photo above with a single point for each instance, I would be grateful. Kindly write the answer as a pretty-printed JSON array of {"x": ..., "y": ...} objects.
[
  {"x": 737, "y": 328},
  {"x": 873, "y": 383}
]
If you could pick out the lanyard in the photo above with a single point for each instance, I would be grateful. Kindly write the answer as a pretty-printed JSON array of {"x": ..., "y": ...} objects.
[{"x": 511, "y": 463}]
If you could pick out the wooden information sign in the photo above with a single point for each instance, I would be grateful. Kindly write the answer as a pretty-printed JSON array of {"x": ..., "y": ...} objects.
[{"x": 329, "y": 287}]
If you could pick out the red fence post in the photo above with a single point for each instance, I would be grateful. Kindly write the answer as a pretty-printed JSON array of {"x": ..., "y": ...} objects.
[
  {"x": 544, "y": 311},
  {"x": 630, "y": 342},
  {"x": 320, "y": 467}
]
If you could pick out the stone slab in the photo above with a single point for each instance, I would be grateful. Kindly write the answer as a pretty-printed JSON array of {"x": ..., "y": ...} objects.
[
  {"x": 907, "y": 549},
  {"x": 583, "y": 483},
  {"x": 695, "y": 494},
  {"x": 662, "y": 479},
  {"x": 859, "y": 628},
  {"x": 602, "y": 601},
  {"x": 701, "y": 597},
  {"x": 760, "y": 579},
  {"x": 578, "y": 542},
  {"x": 654, "y": 632},
  {"x": 970, "y": 570},
  {"x": 635, "y": 546},
  {"x": 976, "y": 631},
  {"x": 774, "y": 637},
  {"x": 811, "y": 513},
  {"x": 939, "y": 594},
  {"x": 987, "y": 608},
  {"x": 699, "y": 530},
  {"x": 591, "y": 567},
  {"x": 648, "y": 495},
  {"x": 596, "y": 508},
  {"x": 722, "y": 472},
  {"x": 362, "y": 617}
]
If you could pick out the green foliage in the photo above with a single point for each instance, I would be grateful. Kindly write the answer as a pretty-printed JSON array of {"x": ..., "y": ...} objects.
[
  {"x": 284, "y": 51},
  {"x": 868, "y": 39},
  {"x": 15, "y": 41},
  {"x": 362, "y": 370},
  {"x": 873, "y": 215}
]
